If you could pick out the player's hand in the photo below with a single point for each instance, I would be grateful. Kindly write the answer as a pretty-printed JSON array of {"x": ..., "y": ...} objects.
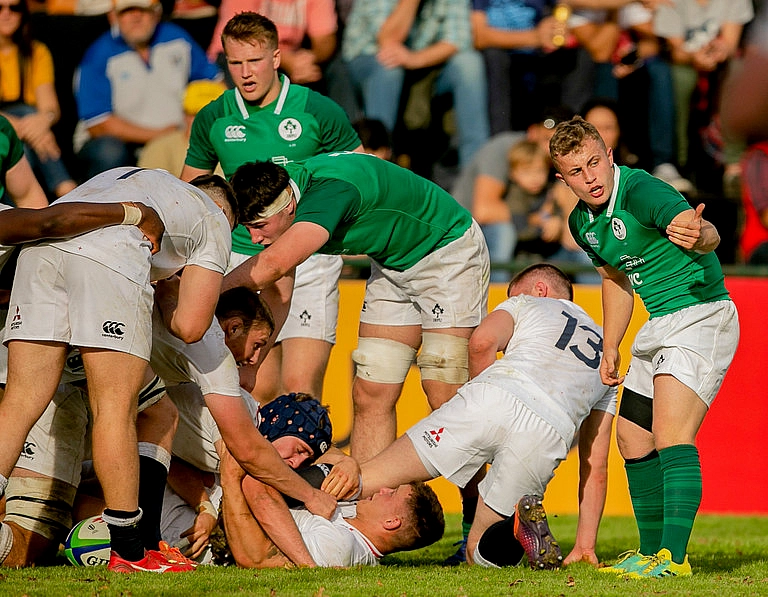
[
  {"x": 151, "y": 226},
  {"x": 686, "y": 233},
  {"x": 343, "y": 481},
  {"x": 199, "y": 534},
  {"x": 609, "y": 368},
  {"x": 321, "y": 503},
  {"x": 579, "y": 554}
]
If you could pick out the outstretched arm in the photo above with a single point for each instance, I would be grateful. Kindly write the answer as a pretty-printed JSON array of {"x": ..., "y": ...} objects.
[
  {"x": 62, "y": 220},
  {"x": 292, "y": 248},
  {"x": 594, "y": 441}
]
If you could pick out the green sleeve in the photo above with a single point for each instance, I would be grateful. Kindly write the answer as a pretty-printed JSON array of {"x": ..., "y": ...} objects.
[
  {"x": 328, "y": 202},
  {"x": 655, "y": 203},
  {"x": 11, "y": 147}
]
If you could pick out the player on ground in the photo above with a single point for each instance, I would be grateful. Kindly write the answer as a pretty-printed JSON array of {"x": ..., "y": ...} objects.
[
  {"x": 521, "y": 413},
  {"x": 296, "y": 425},
  {"x": 93, "y": 292},
  {"x": 408, "y": 517},
  {"x": 266, "y": 117},
  {"x": 642, "y": 236},
  {"x": 429, "y": 280}
]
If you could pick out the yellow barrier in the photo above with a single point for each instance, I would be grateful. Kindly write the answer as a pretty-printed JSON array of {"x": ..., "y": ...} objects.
[{"x": 562, "y": 493}]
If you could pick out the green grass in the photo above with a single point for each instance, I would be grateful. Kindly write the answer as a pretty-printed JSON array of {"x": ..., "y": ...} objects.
[{"x": 729, "y": 556}]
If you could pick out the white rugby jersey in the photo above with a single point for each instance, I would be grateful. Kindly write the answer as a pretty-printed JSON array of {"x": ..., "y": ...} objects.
[
  {"x": 335, "y": 542},
  {"x": 552, "y": 362},
  {"x": 197, "y": 432},
  {"x": 207, "y": 363},
  {"x": 196, "y": 230}
]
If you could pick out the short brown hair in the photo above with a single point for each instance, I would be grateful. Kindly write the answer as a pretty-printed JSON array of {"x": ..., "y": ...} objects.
[
  {"x": 426, "y": 522},
  {"x": 246, "y": 304},
  {"x": 554, "y": 276},
  {"x": 250, "y": 27},
  {"x": 570, "y": 136},
  {"x": 256, "y": 186}
]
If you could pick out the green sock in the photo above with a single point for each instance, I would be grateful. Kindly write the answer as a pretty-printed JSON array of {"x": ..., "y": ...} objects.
[
  {"x": 681, "y": 468},
  {"x": 465, "y": 526},
  {"x": 646, "y": 489}
]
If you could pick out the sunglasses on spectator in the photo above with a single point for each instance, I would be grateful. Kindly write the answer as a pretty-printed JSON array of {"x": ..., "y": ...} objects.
[{"x": 12, "y": 7}]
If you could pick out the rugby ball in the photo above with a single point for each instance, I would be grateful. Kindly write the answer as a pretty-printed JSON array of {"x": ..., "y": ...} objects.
[{"x": 88, "y": 543}]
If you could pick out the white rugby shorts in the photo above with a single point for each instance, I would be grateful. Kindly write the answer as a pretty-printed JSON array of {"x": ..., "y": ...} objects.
[
  {"x": 314, "y": 308},
  {"x": 62, "y": 297},
  {"x": 446, "y": 289},
  {"x": 60, "y": 440},
  {"x": 695, "y": 345},
  {"x": 484, "y": 424}
]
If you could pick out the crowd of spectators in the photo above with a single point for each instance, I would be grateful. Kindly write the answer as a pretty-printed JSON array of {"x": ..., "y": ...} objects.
[{"x": 88, "y": 83}]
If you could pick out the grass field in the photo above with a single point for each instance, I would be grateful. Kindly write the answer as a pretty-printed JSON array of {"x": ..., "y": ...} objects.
[{"x": 729, "y": 556}]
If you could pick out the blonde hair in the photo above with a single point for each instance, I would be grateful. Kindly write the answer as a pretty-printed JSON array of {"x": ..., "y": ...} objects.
[{"x": 525, "y": 152}]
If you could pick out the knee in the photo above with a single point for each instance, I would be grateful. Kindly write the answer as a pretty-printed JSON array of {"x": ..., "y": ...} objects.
[
  {"x": 380, "y": 360},
  {"x": 444, "y": 358}
]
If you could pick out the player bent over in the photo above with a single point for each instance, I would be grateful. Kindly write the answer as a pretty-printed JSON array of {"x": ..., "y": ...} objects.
[
  {"x": 93, "y": 292},
  {"x": 521, "y": 413},
  {"x": 430, "y": 269}
]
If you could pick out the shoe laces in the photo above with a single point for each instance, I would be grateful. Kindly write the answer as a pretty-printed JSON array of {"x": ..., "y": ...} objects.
[
  {"x": 174, "y": 555},
  {"x": 626, "y": 555}
]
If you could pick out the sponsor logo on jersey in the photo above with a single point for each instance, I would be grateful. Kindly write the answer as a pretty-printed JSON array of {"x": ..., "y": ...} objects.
[
  {"x": 630, "y": 262},
  {"x": 437, "y": 312},
  {"x": 234, "y": 132},
  {"x": 16, "y": 319},
  {"x": 618, "y": 228},
  {"x": 592, "y": 238},
  {"x": 280, "y": 160},
  {"x": 305, "y": 318},
  {"x": 659, "y": 362},
  {"x": 113, "y": 329},
  {"x": 432, "y": 437},
  {"x": 289, "y": 129}
]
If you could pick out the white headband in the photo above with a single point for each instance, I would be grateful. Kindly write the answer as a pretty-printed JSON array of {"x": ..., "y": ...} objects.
[{"x": 279, "y": 204}]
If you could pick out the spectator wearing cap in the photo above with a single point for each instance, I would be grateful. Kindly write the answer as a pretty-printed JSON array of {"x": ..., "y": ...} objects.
[
  {"x": 130, "y": 83},
  {"x": 168, "y": 151},
  {"x": 483, "y": 186}
]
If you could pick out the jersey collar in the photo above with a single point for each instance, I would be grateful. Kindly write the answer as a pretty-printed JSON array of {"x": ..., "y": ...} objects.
[
  {"x": 614, "y": 196},
  {"x": 279, "y": 102}
]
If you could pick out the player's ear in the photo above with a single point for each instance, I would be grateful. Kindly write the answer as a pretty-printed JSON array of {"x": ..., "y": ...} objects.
[
  {"x": 540, "y": 288},
  {"x": 393, "y": 523}
]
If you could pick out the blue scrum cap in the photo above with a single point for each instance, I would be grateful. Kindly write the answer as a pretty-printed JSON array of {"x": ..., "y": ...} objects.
[{"x": 299, "y": 415}]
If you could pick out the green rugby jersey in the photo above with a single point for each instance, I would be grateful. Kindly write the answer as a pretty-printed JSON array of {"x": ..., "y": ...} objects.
[
  {"x": 629, "y": 234},
  {"x": 299, "y": 124},
  {"x": 372, "y": 207},
  {"x": 11, "y": 151}
]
